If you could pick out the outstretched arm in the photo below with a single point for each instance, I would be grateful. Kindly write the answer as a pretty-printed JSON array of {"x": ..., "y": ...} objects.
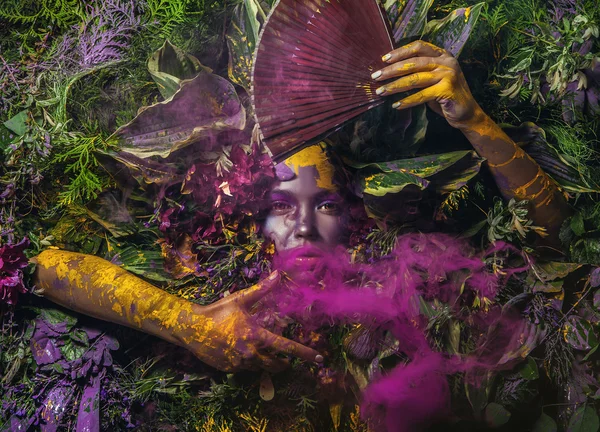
[
  {"x": 222, "y": 335},
  {"x": 421, "y": 65}
]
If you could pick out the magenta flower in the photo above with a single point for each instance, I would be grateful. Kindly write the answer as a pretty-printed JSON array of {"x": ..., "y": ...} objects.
[{"x": 12, "y": 263}]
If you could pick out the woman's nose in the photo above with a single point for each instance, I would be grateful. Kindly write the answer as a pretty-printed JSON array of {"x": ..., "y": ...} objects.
[{"x": 305, "y": 224}]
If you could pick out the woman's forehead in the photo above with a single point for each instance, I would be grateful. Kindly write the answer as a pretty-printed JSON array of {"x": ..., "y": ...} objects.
[{"x": 313, "y": 156}]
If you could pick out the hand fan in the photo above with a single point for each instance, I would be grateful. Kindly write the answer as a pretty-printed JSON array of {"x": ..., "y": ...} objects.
[{"x": 312, "y": 69}]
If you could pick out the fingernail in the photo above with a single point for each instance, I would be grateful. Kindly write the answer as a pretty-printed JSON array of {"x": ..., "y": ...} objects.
[
  {"x": 386, "y": 57},
  {"x": 376, "y": 75},
  {"x": 380, "y": 90},
  {"x": 396, "y": 105},
  {"x": 319, "y": 359},
  {"x": 273, "y": 276}
]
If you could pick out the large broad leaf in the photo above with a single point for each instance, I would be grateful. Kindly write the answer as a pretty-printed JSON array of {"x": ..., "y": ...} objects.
[
  {"x": 18, "y": 123},
  {"x": 453, "y": 31},
  {"x": 380, "y": 183},
  {"x": 408, "y": 17},
  {"x": 169, "y": 65},
  {"x": 148, "y": 171},
  {"x": 585, "y": 419},
  {"x": 545, "y": 424},
  {"x": 242, "y": 36},
  {"x": 496, "y": 415},
  {"x": 203, "y": 107}
]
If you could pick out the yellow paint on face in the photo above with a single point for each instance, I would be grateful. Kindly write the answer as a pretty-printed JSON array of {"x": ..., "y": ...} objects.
[{"x": 314, "y": 156}]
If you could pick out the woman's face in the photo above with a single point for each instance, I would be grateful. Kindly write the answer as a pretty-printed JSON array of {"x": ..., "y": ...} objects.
[{"x": 306, "y": 210}]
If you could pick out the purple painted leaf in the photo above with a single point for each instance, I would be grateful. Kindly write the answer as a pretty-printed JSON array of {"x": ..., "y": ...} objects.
[
  {"x": 55, "y": 404},
  {"x": 57, "y": 321},
  {"x": 19, "y": 424},
  {"x": 408, "y": 18},
  {"x": 44, "y": 349},
  {"x": 597, "y": 299},
  {"x": 453, "y": 31},
  {"x": 169, "y": 65},
  {"x": 595, "y": 278},
  {"x": 88, "y": 417},
  {"x": 592, "y": 96},
  {"x": 203, "y": 107},
  {"x": 579, "y": 333},
  {"x": 573, "y": 102}
]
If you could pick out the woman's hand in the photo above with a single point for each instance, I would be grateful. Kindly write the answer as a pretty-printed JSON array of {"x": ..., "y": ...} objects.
[
  {"x": 225, "y": 336},
  {"x": 421, "y": 65}
]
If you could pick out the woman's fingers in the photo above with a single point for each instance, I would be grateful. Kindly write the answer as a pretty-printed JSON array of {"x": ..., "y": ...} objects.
[
  {"x": 406, "y": 67},
  {"x": 415, "y": 49},
  {"x": 270, "y": 363},
  {"x": 280, "y": 345},
  {"x": 410, "y": 82},
  {"x": 429, "y": 94},
  {"x": 254, "y": 294}
]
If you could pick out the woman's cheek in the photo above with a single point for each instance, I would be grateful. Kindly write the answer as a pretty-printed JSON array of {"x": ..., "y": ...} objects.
[{"x": 277, "y": 230}]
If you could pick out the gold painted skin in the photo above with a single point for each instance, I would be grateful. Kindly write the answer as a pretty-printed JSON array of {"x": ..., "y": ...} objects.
[
  {"x": 314, "y": 156},
  {"x": 222, "y": 335},
  {"x": 421, "y": 65}
]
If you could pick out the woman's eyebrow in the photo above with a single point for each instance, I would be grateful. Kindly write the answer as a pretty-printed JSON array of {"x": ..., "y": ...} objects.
[
  {"x": 326, "y": 195},
  {"x": 279, "y": 194}
]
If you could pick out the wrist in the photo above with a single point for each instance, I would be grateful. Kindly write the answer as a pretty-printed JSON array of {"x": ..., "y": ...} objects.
[{"x": 477, "y": 121}]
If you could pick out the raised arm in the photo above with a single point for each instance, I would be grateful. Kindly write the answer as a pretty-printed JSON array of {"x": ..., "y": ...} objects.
[
  {"x": 222, "y": 335},
  {"x": 421, "y": 65}
]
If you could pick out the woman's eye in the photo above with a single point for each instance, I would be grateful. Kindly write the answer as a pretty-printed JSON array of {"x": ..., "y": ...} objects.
[
  {"x": 329, "y": 207},
  {"x": 280, "y": 206}
]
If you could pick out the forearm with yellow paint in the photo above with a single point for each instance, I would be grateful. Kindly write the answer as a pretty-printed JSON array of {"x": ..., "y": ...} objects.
[
  {"x": 98, "y": 288},
  {"x": 517, "y": 174}
]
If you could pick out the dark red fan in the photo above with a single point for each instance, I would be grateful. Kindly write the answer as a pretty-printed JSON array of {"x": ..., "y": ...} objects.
[{"x": 312, "y": 69}]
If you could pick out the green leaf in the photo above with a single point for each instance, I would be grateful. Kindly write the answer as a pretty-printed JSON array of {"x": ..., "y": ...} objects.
[
  {"x": 453, "y": 31},
  {"x": 545, "y": 424},
  {"x": 585, "y": 419},
  {"x": 72, "y": 351},
  {"x": 169, "y": 65},
  {"x": 552, "y": 270},
  {"x": 496, "y": 415},
  {"x": 54, "y": 316},
  {"x": 390, "y": 182},
  {"x": 145, "y": 263},
  {"x": 579, "y": 333},
  {"x": 18, "y": 123},
  {"x": 577, "y": 224},
  {"x": 529, "y": 370},
  {"x": 242, "y": 37},
  {"x": 478, "y": 394},
  {"x": 423, "y": 166}
]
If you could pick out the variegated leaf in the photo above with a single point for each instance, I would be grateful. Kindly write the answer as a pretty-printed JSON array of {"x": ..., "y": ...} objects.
[
  {"x": 453, "y": 31},
  {"x": 408, "y": 18},
  {"x": 169, "y": 65},
  {"x": 579, "y": 333},
  {"x": 201, "y": 108}
]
